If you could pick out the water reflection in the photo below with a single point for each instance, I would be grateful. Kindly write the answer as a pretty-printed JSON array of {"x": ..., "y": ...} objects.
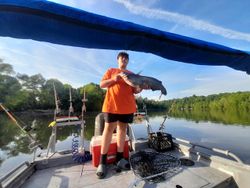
[
  {"x": 228, "y": 117},
  {"x": 14, "y": 144},
  {"x": 235, "y": 138},
  {"x": 206, "y": 128}
]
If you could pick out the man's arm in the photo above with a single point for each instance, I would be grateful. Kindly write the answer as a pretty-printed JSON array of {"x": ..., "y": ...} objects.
[{"x": 109, "y": 82}]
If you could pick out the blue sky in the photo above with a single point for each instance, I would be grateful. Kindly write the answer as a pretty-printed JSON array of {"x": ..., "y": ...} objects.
[{"x": 224, "y": 22}]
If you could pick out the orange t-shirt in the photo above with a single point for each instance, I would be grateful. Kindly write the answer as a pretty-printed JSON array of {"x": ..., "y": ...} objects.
[{"x": 119, "y": 97}]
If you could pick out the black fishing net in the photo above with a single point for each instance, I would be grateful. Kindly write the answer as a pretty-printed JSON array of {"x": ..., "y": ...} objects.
[{"x": 154, "y": 166}]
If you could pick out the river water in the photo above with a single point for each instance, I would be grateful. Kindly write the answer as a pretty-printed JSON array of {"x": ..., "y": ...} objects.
[{"x": 14, "y": 144}]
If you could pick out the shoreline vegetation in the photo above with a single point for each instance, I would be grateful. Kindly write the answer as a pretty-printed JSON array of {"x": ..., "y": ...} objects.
[{"x": 23, "y": 93}]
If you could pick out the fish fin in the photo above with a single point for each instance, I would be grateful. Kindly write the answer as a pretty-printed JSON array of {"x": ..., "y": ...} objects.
[
  {"x": 160, "y": 96},
  {"x": 139, "y": 72}
]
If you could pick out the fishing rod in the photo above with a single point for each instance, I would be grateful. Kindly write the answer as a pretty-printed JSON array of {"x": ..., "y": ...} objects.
[
  {"x": 34, "y": 143},
  {"x": 71, "y": 109},
  {"x": 57, "y": 110},
  {"x": 162, "y": 125},
  {"x": 149, "y": 128},
  {"x": 79, "y": 153},
  {"x": 85, "y": 154},
  {"x": 15, "y": 121}
]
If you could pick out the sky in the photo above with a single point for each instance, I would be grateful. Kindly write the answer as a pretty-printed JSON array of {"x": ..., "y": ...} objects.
[{"x": 223, "y": 22}]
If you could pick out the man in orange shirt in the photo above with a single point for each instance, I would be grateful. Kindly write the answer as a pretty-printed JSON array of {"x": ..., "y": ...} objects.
[{"x": 118, "y": 108}]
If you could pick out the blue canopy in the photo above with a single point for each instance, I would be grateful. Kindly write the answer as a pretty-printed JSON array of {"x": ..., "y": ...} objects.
[{"x": 46, "y": 21}]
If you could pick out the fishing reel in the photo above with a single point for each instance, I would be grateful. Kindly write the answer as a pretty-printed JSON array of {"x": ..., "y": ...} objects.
[{"x": 34, "y": 145}]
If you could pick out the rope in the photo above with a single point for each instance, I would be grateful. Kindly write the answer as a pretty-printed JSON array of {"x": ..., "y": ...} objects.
[{"x": 78, "y": 154}]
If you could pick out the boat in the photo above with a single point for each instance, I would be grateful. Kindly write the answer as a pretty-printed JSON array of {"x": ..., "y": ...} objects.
[
  {"x": 188, "y": 164},
  {"x": 202, "y": 167},
  {"x": 46, "y": 21}
]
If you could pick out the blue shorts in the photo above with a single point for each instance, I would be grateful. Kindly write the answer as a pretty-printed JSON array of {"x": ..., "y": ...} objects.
[{"x": 124, "y": 118}]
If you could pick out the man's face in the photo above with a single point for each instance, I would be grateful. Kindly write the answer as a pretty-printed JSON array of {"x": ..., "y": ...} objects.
[{"x": 122, "y": 62}]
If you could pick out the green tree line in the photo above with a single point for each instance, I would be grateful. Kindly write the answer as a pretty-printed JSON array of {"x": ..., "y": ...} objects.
[
  {"x": 236, "y": 102},
  {"x": 20, "y": 92},
  {"x": 226, "y": 108}
]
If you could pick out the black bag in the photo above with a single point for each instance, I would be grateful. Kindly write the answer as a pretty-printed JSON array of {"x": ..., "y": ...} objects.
[{"x": 160, "y": 141}]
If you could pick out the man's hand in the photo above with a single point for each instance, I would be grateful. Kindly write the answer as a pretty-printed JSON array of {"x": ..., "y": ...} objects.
[
  {"x": 137, "y": 89},
  {"x": 110, "y": 82},
  {"x": 123, "y": 76},
  {"x": 117, "y": 77}
]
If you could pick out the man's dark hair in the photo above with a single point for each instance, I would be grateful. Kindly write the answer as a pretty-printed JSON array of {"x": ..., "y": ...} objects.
[{"x": 123, "y": 54}]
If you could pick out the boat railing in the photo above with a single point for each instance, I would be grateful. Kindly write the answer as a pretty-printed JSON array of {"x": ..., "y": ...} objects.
[
  {"x": 6, "y": 180},
  {"x": 24, "y": 164},
  {"x": 221, "y": 151}
]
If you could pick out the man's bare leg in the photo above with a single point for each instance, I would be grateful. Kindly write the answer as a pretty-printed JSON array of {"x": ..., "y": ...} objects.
[
  {"x": 121, "y": 135},
  {"x": 107, "y": 136}
]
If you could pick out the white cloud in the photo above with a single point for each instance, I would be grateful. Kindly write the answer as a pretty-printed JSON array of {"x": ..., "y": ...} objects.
[
  {"x": 68, "y": 64},
  {"x": 183, "y": 20},
  {"x": 230, "y": 81},
  {"x": 203, "y": 79}
]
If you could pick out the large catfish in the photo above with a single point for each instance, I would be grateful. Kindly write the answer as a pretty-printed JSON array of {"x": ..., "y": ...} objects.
[{"x": 136, "y": 80}]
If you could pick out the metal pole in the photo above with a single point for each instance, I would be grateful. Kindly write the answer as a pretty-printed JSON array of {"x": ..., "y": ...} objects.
[
  {"x": 225, "y": 152},
  {"x": 71, "y": 109},
  {"x": 57, "y": 110},
  {"x": 84, "y": 100},
  {"x": 149, "y": 128}
]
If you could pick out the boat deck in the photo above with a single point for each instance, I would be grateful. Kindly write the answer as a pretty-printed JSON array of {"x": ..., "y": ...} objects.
[{"x": 67, "y": 176}]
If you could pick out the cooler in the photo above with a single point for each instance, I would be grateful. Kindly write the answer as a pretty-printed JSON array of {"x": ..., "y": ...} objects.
[{"x": 95, "y": 149}]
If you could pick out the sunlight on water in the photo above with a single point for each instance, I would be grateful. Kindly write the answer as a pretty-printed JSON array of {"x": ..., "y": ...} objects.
[{"x": 235, "y": 138}]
